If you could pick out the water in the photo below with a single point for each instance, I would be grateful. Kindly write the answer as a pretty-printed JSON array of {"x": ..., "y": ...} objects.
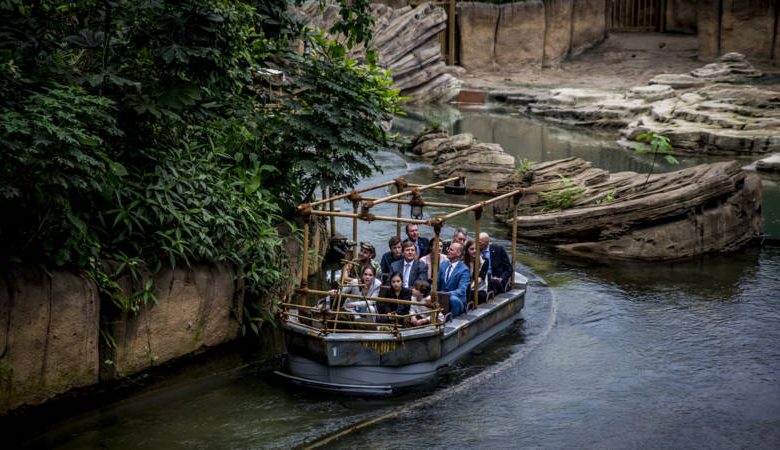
[{"x": 676, "y": 355}]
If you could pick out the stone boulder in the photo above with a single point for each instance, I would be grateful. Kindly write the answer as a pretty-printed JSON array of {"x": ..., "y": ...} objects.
[
  {"x": 483, "y": 165},
  {"x": 729, "y": 68},
  {"x": 769, "y": 164},
  {"x": 709, "y": 208},
  {"x": 768, "y": 168}
]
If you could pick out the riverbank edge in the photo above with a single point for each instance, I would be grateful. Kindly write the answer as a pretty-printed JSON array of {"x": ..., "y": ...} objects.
[{"x": 54, "y": 343}]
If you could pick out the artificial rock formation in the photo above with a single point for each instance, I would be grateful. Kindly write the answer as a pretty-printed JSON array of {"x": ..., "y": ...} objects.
[
  {"x": 527, "y": 32},
  {"x": 704, "y": 209},
  {"x": 483, "y": 165},
  {"x": 729, "y": 68},
  {"x": 407, "y": 42},
  {"x": 723, "y": 115},
  {"x": 716, "y": 120},
  {"x": 49, "y": 337}
]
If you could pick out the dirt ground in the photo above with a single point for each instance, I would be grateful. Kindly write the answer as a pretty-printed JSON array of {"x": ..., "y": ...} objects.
[{"x": 623, "y": 60}]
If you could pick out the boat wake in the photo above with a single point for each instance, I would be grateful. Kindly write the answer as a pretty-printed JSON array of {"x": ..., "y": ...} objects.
[{"x": 460, "y": 388}]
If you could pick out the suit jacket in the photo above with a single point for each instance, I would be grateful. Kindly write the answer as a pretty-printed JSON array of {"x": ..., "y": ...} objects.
[
  {"x": 423, "y": 246},
  {"x": 500, "y": 264},
  {"x": 386, "y": 262},
  {"x": 458, "y": 282},
  {"x": 419, "y": 270}
]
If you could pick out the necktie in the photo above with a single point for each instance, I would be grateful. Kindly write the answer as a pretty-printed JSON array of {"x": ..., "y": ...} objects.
[
  {"x": 486, "y": 256},
  {"x": 407, "y": 268},
  {"x": 447, "y": 273}
]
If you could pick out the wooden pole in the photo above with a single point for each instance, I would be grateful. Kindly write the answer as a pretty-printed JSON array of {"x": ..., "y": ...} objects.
[
  {"x": 354, "y": 229},
  {"x": 305, "y": 268},
  {"x": 479, "y": 205},
  {"x": 516, "y": 200},
  {"x": 407, "y": 202},
  {"x": 451, "y": 34},
  {"x": 435, "y": 269},
  {"x": 477, "y": 216},
  {"x": 398, "y": 188},
  {"x": 373, "y": 203},
  {"x": 316, "y": 212},
  {"x": 332, "y": 208},
  {"x": 348, "y": 194}
]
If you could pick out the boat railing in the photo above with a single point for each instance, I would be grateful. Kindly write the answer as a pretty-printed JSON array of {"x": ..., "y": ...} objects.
[{"x": 323, "y": 320}]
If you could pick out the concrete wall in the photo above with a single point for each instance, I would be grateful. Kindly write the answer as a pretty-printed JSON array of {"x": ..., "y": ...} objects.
[
  {"x": 530, "y": 32},
  {"x": 681, "y": 16},
  {"x": 48, "y": 336},
  {"x": 744, "y": 26},
  {"x": 50, "y": 326}
]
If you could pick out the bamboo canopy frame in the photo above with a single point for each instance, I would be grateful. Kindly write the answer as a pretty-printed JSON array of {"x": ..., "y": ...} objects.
[{"x": 406, "y": 194}]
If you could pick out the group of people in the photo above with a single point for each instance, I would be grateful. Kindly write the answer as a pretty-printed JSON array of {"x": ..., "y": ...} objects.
[{"x": 406, "y": 270}]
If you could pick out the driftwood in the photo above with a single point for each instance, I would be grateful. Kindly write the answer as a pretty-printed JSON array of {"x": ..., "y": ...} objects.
[{"x": 703, "y": 209}]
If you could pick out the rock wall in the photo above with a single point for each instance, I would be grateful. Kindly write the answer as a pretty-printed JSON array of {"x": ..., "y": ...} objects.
[
  {"x": 196, "y": 308},
  {"x": 50, "y": 338},
  {"x": 406, "y": 40},
  {"x": 520, "y": 34},
  {"x": 530, "y": 32},
  {"x": 681, "y": 16},
  {"x": 744, "y": 26},
  {"x": 557, "y": 30},
  {"x": 589, "y": 24}
]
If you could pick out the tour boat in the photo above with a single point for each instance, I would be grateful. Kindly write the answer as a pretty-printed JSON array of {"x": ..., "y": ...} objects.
[{"x": 334, "y": 350}]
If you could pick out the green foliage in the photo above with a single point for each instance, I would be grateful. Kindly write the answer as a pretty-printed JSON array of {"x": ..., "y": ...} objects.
[
  {"x": 133, "y": 136},
  {"x": 6, "y": 371},
  {"x": 525, "y": 164},
  {"x": 609, "y": 198},
  {"x": 657, "y": 144},
  {"x": 564, "y": 197}
]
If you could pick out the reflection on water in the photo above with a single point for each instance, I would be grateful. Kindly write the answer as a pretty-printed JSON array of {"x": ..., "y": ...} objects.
[{"x": 675, "y": 355}]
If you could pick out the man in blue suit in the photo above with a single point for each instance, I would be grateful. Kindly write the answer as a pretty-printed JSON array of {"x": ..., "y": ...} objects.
[
  {"x": 499, "y": 264},
  {"x": 422, "y": 244},
  {"x": 454, "y": 277},
  {"x": 410, "y": 268}
]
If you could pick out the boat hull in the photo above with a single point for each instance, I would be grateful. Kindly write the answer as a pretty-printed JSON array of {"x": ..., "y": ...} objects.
[{"x": 381, "y": 363}]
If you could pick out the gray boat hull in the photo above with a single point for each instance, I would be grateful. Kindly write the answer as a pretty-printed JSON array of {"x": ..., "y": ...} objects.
[{"x": 382, "y": 362}]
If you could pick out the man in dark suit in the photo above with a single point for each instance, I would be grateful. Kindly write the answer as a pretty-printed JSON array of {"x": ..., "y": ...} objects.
[
  {"x": 410, "y": 268},
  {"x": 422, "y": 244},
  {"x": 499, "y": 265},
  {"x": 454, "y": 277}
]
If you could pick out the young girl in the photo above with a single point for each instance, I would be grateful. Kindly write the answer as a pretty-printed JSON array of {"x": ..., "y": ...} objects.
[
  {"x": 369, "y": 288},
  {"x": 420, "y": 314},
  {"x": 395, "y": 291},
  {"x": 470, "y": 255}
]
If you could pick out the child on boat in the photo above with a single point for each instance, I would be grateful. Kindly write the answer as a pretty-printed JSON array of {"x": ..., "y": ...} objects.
[
  {"x": 420, "y": 314},
  {"x": 395, "y": 291}
]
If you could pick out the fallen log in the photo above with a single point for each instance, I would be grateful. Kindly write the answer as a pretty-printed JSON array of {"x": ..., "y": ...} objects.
[{"x": 703, "y": 209}]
